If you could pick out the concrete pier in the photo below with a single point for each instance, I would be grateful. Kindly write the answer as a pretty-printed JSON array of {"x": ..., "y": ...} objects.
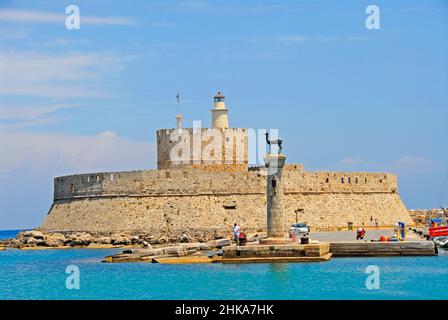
[
  {"x": 382, "y": 249},
  {"x": 292, "y": 252}
]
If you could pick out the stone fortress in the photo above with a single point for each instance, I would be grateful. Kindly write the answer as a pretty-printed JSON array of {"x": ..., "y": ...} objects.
[{"x": 203, "y": 196}]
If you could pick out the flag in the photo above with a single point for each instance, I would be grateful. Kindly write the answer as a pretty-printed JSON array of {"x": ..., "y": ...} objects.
[{"x": 177, "y": 97}]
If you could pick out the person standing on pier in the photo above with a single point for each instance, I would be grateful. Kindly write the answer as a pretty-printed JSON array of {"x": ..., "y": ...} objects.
[{"x": 236, "y": 233}]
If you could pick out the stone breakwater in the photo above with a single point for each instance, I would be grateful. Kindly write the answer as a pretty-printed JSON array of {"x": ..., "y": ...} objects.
[
  {"x": 223, "y": 251},
  {"x": 178, "y": 253},
  {"x": 36, "y": 239},
  {"x": 421, "y": 216}
]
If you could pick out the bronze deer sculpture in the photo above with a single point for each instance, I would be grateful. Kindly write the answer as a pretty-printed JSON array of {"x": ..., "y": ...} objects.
[{"x": 274, "y": 142}]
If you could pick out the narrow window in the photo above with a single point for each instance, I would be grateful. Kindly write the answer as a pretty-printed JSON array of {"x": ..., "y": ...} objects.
[
  {"x": 327, "y": 180},
  {"x": 342, "y": 180},
  {"x": 349, "y": 180}
]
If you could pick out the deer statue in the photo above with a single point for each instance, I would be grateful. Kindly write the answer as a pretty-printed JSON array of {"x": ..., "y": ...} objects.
[{"x": 274, "y": 142}]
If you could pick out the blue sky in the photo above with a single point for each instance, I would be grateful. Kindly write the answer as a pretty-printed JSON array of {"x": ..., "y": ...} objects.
[{"x": 342, "y": 96}]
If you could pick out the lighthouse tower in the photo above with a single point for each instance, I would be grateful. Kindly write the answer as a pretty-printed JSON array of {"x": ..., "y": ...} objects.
[
  {"x": 220, "y": 119},
  {"x": 222, "y": 150}
]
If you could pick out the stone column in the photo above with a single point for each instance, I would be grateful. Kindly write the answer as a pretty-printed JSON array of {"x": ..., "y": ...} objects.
[{"x": 277, "y": 230}]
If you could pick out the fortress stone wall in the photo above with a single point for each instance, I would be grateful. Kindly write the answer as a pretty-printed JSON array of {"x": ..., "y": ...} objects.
[
  {"x": 172, "y": 202},
  {"x": 203, "y": 182},
  {"x": 203, "y": 185}
]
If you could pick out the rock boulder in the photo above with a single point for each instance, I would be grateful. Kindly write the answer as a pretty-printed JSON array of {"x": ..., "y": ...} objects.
[
  {"x": 120, "y": 239},
  {"x": 51, "y": 242},
  {"x": 219, "y": 243},
  {"x": 34, "y": 234}
]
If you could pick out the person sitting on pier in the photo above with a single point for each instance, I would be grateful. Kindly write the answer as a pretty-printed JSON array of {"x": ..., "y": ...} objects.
[
  {"x": 242, "y": 239},
  {"x": 360, "y": 232}
]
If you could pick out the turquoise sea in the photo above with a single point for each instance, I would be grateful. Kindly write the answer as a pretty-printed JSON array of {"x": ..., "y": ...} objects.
[{"x": 42, "y": 275}]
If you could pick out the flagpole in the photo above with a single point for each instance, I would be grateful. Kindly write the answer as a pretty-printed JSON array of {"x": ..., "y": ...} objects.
[{"x": 179, "y": 116}]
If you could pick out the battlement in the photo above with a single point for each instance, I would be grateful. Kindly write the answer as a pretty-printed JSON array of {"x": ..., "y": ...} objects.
[
  {"x": 195, "y": 181},
  {"x": 340, "y": 182}
]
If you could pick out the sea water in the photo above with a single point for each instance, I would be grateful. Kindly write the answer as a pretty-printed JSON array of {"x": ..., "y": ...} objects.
[
  {"x": 42, "y": 275},
  {"x": 6, "y": 234}
]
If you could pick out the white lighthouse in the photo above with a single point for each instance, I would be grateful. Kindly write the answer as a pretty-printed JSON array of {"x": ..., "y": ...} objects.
[{"x": 220, "y": 118}]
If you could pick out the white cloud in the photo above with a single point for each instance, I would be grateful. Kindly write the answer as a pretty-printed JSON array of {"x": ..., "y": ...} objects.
[
  {"x": 283, "y": 39},
  {"x": 29, "y": 16},
  {"x": 27, "y": 113},
  {"x": 298, "y": 38},
  {"x": 405, "y": 166},
  {"x": 194, "y": 5},
  {"x": 57, "y": 75},
  {"x": 72, "y": 154},
  {"x": 107, "y": 135},
  {"x": 19, "y": 116},
  {"x": 224, "y": 8},
  {"x": 356, "y": 38},
  {"x": 352, "y": 161},
  {"x": 14, "y": 33},
  {"x": 292, "y": 38},
  {"x": 414, "y": 165},
  {"x": 63, "y": 42}
]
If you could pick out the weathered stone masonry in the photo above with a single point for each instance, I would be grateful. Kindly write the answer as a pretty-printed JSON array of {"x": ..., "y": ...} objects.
[
  {"x": 206, "y": 197},
  {"x": 231, "y": 156},
  {"x": 179, "y": 200}
]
